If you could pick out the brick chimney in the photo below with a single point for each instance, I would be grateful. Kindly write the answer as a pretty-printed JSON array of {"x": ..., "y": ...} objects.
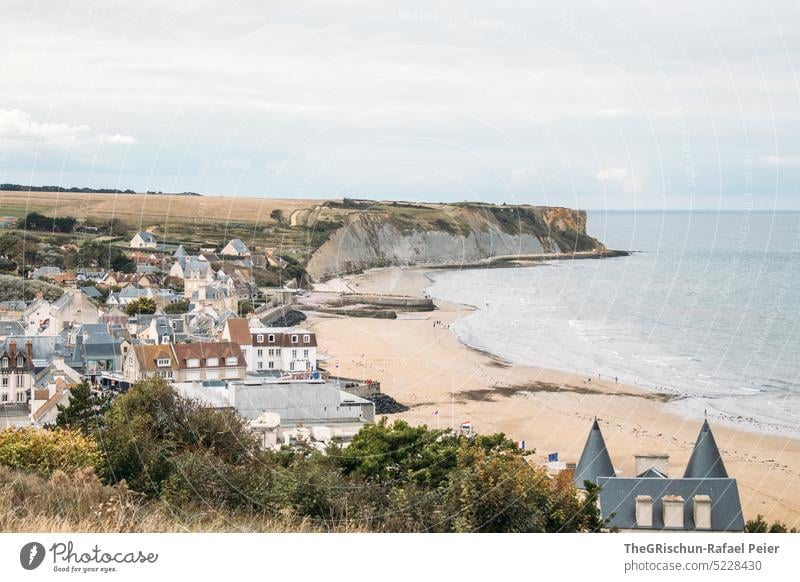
[
  {"x": 29, "y": 351},
  {"x": 12, "y": 349}
]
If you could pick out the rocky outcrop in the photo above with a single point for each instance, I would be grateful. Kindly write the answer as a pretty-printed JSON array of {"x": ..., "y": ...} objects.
[{"x": 447, "y": 235}]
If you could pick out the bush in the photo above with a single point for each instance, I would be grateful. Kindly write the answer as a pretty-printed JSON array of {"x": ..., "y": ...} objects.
[{"x": 44, "y": 451}]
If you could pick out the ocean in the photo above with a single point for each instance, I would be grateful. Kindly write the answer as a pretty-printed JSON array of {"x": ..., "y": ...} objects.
[{"x": 707, "y": 309}]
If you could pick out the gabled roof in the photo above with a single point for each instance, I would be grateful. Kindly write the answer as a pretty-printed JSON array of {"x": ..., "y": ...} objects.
[
  {"x": 148, "y": 356},
  {"x": 179, "y": 252},
  {"x": 705, "y": 460},
  {"x": 146, "y": 236},
  {"x": 652, "y": 473},
  {"x": 618, "y": 501},
  {"x": 204, "y": 350},
  {"x": 595, "y": 461},
  {"x": 238, "y": 331}
]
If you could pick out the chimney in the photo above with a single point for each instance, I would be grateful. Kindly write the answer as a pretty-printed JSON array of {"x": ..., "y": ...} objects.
[
  {"x": 12, "y": 349},
  {"x": 673, "y": 511},
  {"x": 647, "y": 461},
  {"x": 29, "y": 351},
  {"x": 644, "y": 511},
  {"x": 702, "y": 512}
]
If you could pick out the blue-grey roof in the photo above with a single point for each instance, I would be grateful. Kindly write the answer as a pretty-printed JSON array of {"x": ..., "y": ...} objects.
[
  {"x": 147, "y": 236},
  {"x": 618, "y": 501},
  {"x": 11, "y": 328},
  {"x": 179, "y": 252},
  {"x": 238, "y": 245},
  {"x": 91, "y": 292},
  {"x": 595, "y": 461},
  {"x": 705, "y": 460},
  {"x": 44, "y": 348}
]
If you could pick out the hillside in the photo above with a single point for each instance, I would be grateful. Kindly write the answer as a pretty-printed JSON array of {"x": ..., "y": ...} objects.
[{"x": 332, "y": 236}]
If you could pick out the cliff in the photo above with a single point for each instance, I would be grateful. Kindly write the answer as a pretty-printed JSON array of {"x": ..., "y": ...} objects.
[{"x": 389, "y": 234}]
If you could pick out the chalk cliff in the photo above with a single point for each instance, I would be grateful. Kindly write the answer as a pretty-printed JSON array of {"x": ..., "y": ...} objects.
[{"x": 389, "y": 234}]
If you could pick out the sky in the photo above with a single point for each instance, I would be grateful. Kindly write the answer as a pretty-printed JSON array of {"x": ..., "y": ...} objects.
[{"x": 617, "y": 104}]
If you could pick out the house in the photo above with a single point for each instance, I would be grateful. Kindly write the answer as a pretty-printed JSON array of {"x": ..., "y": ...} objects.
[
  {"x": 64, "y": 279},
  {"x": 92, "y": 293},
  {"x": 114, "y": 317},
  {"x": 45, "y": 272},
  {"x": 51, "y": 389},
  {"x": 143, "y": 240},
  {"x": 237, "y": 330},
  {"x": 209, "y": 361},
  {"x": 287, "y": 349},
  {"x": 45, "y": 318},
  {"x": 164, "y": 329},
  {"x": 8, "y": 222},
  {"x": 705, "y": 498},
  {"x": 179, "y": 253},
  {"x": 121, "y": 280},
  {"x": 149, "y": 361},
  {"x": 16, "y": 371},
  {"x": 235, "y": 248},
  {"x": 99, "y": 348}
]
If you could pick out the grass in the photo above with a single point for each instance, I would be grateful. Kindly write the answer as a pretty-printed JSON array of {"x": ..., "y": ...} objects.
[{"x": 81, "y": 503}]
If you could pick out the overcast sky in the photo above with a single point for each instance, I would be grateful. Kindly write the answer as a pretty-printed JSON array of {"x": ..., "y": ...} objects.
[{"x": 616, "y": 104}]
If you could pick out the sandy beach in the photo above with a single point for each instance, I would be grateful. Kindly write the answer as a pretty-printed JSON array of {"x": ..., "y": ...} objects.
[{"x": 421, "y": 365}]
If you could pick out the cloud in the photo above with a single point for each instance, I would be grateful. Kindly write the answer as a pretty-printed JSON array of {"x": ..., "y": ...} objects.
[
  {"x": 18, "y": 127},
  {"x": 627, "y": 182},
  {"x": 118, "y": 139}
]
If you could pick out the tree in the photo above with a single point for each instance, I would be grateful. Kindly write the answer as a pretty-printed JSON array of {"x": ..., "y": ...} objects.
[
  {"x": 141, "y": 306},
  {"x": 36, "y": 221},
  {"x": 277, "y": 215},
  {"x": 760, "y": 525},
  {"x": 177, "y": 307},
  {"x": 85, "y": 409}
]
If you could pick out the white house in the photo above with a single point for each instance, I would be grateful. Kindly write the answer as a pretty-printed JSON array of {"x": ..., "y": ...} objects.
[
  {"x": 73, "y": 307},
  {"x": 236, "y": 248},
  {"x": 143, "y": 240},
  {"x": 291, "y": 350}
]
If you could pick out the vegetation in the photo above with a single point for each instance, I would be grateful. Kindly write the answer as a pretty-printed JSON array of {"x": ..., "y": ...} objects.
[
  {"x": 177, "y": 307},
  {"x": 14, "y": 288},
  {"x": 85, "y": 410},
  {"x": 760, "y": 525},
  {"x": 141, "y": 306},
  {"x": 36, "y": 221},
  {"x": 169, "y": 457}
]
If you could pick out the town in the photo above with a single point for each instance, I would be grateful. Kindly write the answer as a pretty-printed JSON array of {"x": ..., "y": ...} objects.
[{"x": 197, "y": 320}]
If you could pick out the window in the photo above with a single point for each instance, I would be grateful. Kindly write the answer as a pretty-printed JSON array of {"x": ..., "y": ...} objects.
[
  {"x": 271, "y": 338},
  {"x": 294, "y": 339},
  {"x": 294, "y": 354},
  {"x": 261, "y": 353},
  {"x": 212, "y": 362},
  {"x": 260, "y": 365},
  {"x": 271, "y": 352},
  {"x": 232, "y": 361},
  {"x": 271, "y": 365},
  {"x": 291, "y": 366},
  {"x": 193, "y": 363},
  {"x": 260, "y": 338},
  {"x": 306, "y": 339},
  {"x": 163, "y": 362},
  {"x": 21, "y": 397},
  {"x": 305, "y": 354},
  {"x": 5, "y": 381},
  {"x": 5, "y": 362},
  {"x": 5, "y": 398},
  {"x": 20, "y": 362}
]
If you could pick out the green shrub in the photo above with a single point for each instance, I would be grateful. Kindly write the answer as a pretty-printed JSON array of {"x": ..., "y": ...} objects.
[{"x": 45, "y": 451}]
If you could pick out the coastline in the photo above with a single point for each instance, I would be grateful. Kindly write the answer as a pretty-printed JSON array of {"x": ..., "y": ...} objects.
[{"x": 420, "y": 365}]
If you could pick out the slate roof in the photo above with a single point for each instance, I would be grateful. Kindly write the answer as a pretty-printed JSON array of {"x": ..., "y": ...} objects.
[
  {"x": 45, "y": 348},
  {"x": 91, "y": 292},
  {"x": 238, "y": 246},
  {"x": 618, "y": 500},
  {"x": 705, "y": 460},
  {"x": 11, "y": 328},
  {"x": 595, "y": 461},
  {"x": 180, "y": 252},
  {"x": 147, "y": 237}
]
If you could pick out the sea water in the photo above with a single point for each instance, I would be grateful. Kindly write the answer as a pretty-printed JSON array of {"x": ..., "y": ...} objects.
[{"x": 707, "y": 309}]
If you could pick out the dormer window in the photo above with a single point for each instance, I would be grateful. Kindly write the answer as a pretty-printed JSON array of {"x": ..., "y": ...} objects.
[
  {"x": 232, "y": 361},
  {"x": 294, "y": 339},
  {"x": 193, "y": 363},
  {"x": 212, "y": 362},
  {"x": 271, "y": 338},
  {"x": 20, "y": 362},
  {"x": 260, "y": 338},
  {"x": 163, "y": 362},
  {"x": 5, "y": 362},
  {"x": 306, "y": 339}
]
